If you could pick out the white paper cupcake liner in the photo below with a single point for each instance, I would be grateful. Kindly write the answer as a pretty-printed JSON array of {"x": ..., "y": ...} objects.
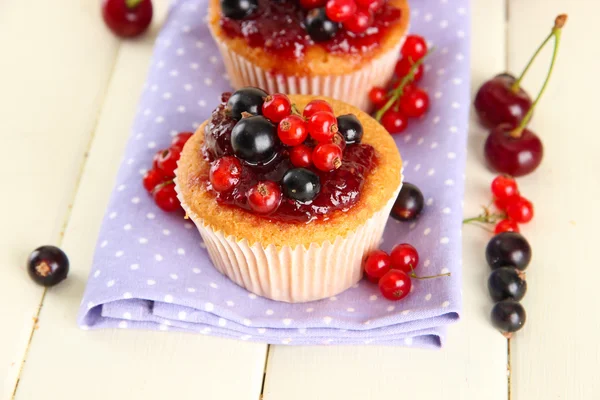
[{"x": 299, "y": 274}]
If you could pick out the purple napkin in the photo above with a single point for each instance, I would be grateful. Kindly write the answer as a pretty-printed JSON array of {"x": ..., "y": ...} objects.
[{"x": 151, "y": 269}]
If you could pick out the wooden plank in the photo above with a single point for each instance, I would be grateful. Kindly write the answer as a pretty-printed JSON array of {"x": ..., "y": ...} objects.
[
  {"x": 473, "y": 365},
  {"x": 56, "y": 62},
  {"x": 124, "y": 364},
  {"x": 557, "y": 354}
]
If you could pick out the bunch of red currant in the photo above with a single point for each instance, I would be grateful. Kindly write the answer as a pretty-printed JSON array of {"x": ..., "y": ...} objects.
[
  {"x": 159, "y": 180},
  {"x": 402, "y": 99}
]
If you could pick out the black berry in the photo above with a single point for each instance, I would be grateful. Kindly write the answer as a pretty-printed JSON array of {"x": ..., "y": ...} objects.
[
  {"x": 508, "y": 316},
  {"x": 246, "y": 100},
  {"x": 253, "y": 139},
  {"x": 350, "y": 128},
  {"x": 409, "y": 203},
  {"x": 238, "y": 9},
  {"x": 319, "y": 27},
  {"x": 508, "y": 249},
  {"x": 48, "y": 265},
  {"x": 507, "y": 283},
  {"x": 300, "y": 184}
]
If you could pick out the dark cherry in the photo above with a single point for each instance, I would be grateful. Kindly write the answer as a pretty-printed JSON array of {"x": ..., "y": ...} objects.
[
  {"x": 253, "y": 139},
  {"x": 238, "y": 9},
  {"x": 508, "y": 316},
  {"x": 515, "y": 156},
  {"x": 508, "y": 249},
  {"x": 48, "y": 265},
  {"x": 127, "y": 18},
  {"x": 350, "y": 128},
  {"x": 248, "y": 99},
  {"x": 497, "y": 103},
  {"x": 319, "y": 27},
  {"x": 301, "y": 184},
  {"x": 507, "y": 283},
  {"x": 409, "y": 203}
]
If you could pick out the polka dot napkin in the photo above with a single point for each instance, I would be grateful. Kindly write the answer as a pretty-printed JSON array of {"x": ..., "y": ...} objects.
[{"x": 151, "y": 269}]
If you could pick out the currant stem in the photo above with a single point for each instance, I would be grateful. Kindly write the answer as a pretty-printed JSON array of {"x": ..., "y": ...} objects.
[
  {"x": 485, "y": 218},
  {"x": 414, "y": 275},
  {"x": 132, "y": 3}
]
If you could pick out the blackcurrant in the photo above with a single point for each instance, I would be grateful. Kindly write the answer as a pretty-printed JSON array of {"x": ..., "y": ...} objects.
[
  {"x": 48, "y": 265},
  {"x": 350, "y": 128},
  {"x": 238, "y": 9},
  {"x": 253, "y": 139},
  {"x": 508, "y": 316},
  {"x": 409, "y": 203},
  {"x": 319, "y": 27},
  {"x": 507, "y": 283},
  {"x": 508, "y": 249},
  {"x": 300, "y": 184},
  {"x": 248, "y": 99}
]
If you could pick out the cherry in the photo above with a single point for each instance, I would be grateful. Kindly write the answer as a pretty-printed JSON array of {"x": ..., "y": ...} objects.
[
  {"x": 501, "y": 100},
  {"x": 511, "y": 152},
  {"x": 340, "y": 10},
  {"x": 301, "y": 156},
  {"x": 504, "y": 186},
  {"x": 506, "y": 225},
  {"x": 316, "y": 106},
  {"x": 508, "y": 249},
  {"x": 394, "y": 121},
  {"x": 322, "y": 125},
  {"x": 508, "y": 316},
  {"x": 48, "y": 265},
  {"x": 520, "y": 210},
  {"x": 166, "y": 162},
  {"x": 409, "y": 203},
  {"x": 181, "y": 139},
  {"x": 264, "y": 197},
  {"x": 358, "y": 22},
  {"x": 395, "y": 285},
  {"x": 165, "y": 197},
  {"x": 404, "y": 257},
  {"x": 378, "y": 96},
  {"x": 327, "y": 157},
  {"x": 127, "y": 18},
  {"x": 276, "y": 107},
  {"x": 414, "y": 103},
  {"x": 153, "y": 178},
  {"x": 377, "y": 264},
  {"x": 309, "y": 4},
  {"x": 292, "y": 130},
  {"x": 403, "y": 67},
  {"x": 225, "y": 173},
  {"x": 507, "y": 283},
  {"x": 414, "y": 47}
]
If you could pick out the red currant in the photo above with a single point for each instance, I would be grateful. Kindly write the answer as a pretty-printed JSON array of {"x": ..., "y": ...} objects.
[
  {"x": 301, "y": 156},
  {"x": 371, "y": 5},
  {"x": 520, "y": 210},
  {"x": 377, "y": 264},
  {"x": 292, "y": 130},
  {"x": 264, "y": 197},
  {"x": 394, "y": 121},
  {"x": 327, "y": 157},
  {"x": 378, "y": 96},
  {"x": 152, "y": 179},
  {"x": 165, "y": 197},
  {"x": 501, "y": 203},
  {"x": 167, "y": 161},
  {"x": 276, "y": 107},
  {"x": 310, "y": 4},
  {"x": 504, "y": 186},
  {"x": 322, "y": 126},
  {"x": 181, "y": 139},
  {"x": 358, "y": 22},
  {"x": 415, "y": 103},
  {"x": 403, "y": 67},
  {"x": 225, "y": 173},
  {"x": 414, "y": 47},
  {"x": 506, "y": 225},
  {"x": 404, "y": 257},
  {"x": 395, "y": 285},
  {"x": 316, "y": 106},
  {"x": 340, "y": 10},
  {"x": 127, "y": 20}
]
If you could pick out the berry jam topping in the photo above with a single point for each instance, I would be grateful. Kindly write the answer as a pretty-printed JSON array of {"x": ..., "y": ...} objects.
[
  {"x": 286, "y": 28},
  {"x": 279, "y": 170}
]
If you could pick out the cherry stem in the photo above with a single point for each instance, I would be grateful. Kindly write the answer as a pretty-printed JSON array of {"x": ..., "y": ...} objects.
[
  {"x": 556, "y": 32},
  {"x": 517, "y": 85},
  {"x": 414, "y": 275},
  {"x": 132, "y": 3},
  {"x": 399, "y": 90}
]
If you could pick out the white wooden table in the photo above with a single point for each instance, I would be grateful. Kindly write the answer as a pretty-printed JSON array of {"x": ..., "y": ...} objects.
[{"x": 68, "y": 92}]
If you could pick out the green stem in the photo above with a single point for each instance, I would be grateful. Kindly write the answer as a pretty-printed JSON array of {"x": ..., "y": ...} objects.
[
  {"x": 413, "y": 275},
  {"x": 132, "y": 3},
  {"x": 517, "y": 85}
]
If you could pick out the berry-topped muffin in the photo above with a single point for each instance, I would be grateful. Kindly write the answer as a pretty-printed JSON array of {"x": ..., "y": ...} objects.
[
  {"x": 334, "y": 48},
  {"x": 289, "y": 193}
]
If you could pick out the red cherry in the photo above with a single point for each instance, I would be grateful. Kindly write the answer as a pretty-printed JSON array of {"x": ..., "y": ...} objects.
[
  {"x": 414, "y": 47},
  {"x": 225, "y": 173},
  {"x": 292, "y": 130},
  {"x": 395, "y": 285},
  {"x": 415, "y": 103},
  {"x": 316, "y": 106},
  {"x": 322, "y": 126},
  {"x": 327, "y": 157},
  {"x": 515, "y": 156},
  {"x": 504, "y": 186},
  {"x": 152, "y": 179},
  {"x": 276, "y": 107},
  {"x": 506, "y": 225},
  {"x": 310, "y": 4},
  {"x": 181, "y": 139},
  {"x": 358, "y": 22},
  {"x": 520, "y": 210},
  {"x": 403, "y": 67},
  {"x": 377, "y": 264},
  {"x": 496, "y": 103},
  {"x": 127, "y": 18},
  {"x": 165, "y": 197},
  {"x": 301, "y": 156},
  {"x": 340, "y": 10},
  {"x": 264, "y": 197},
  {"x": 378, "y": 96},
  {"x": 404, "y": 257},
  {"x": 167, "y": 159},
  {"x": 394, "y": 121},
  {"x": 371, "y": 5}
]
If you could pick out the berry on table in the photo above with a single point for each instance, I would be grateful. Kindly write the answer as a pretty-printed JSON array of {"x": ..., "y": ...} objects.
[
  {"x": 414, "y": 103},
  {"x": 301, "y": 156},
  {"x": 48, "y": 265},
  {"x": 395, "y": 285},
  {"x": 506, "y": 225},
  {"x": 350, "y": 128},
  {"x": 276, "y": 107},
  {"x": 409, "y": 203},
  {"x": 300, "y": 184},
  {"x": 414, "y": 47},
  {"x": 377, "y": 264},
  {"x": 508, "y": 249},
  {"x": 319, "y": 27},
  {"x": 246, "y": 100},
  {"x": 404, "y": 257},
  {"x": 166, "y": 162},
  {"x": 507, "y": 283},
  {"x": 327, "y": 157},
  {"x": 508, "y": 316},
  {"x": 225, "y": 173},
  {"x": 513, "y": 152},
  {"x": 358, "y": 22},
  {"x": 519, "y": 210},
  {"x": 315, "y": 106},
  {"x": 501, "y": 100},
  {"x": 322, "y": 125},
  {"x": 394, "y": 121},
  {"x": 378, "y": 96},
  {"x": 238, "y": 9},
  {"x": 264, "y": 197},
  {"x": 403, "y": 67},
  {"x": 127, "y": 18},
  {"x": 292, "y": 130},
  {"x": 253, "y": 139},
  {"x": 504, "y": 186},
  {"x": 152, "y": 179},
  {"x": 165, "y": 197},
  {"x": 340, "y": 10},
  {"x": 181, "y": 139}
]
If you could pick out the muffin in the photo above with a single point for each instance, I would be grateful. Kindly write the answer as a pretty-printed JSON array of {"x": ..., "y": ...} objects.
[
  {"x": 290, "y": 201},
  {"x": 287, "y": 47}
]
